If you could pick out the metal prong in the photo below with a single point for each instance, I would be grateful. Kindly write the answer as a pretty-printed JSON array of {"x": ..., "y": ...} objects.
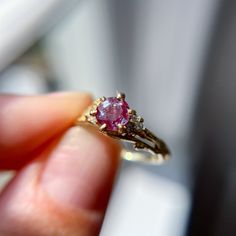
[
  {"x": 131, "y": 112},
  {"x": 120, "y": 128},
  {"x": 103, "y": 127},
  {"x": 93, "y": 112},
  {"x": 120, "y": 96},
  {"x": 140, "y": 119},
  {"x": 102, "y": 99}
]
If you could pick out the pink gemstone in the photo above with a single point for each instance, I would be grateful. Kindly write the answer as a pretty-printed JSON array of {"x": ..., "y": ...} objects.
[{"x": 112, "y": 112}]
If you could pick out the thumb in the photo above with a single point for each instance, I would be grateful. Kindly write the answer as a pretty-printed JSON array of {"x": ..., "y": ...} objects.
[{"x": 65, "y": 191}]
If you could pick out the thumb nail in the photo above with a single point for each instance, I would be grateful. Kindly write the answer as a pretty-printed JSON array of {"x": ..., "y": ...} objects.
[{"x": 80, "y": 171}]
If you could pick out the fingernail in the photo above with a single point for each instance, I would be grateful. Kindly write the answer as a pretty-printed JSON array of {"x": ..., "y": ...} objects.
[{"x": 80, "y": 171}]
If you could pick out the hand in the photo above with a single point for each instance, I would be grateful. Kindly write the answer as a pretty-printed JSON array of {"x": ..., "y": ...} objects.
[{"x": 64, "y": 175}]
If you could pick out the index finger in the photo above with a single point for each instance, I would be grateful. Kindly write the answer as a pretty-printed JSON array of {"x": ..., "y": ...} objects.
[{"x": 27, "y": 122}]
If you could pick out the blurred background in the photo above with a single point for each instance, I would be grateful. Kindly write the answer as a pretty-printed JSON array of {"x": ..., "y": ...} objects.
[{"x": 176, "y": 62}]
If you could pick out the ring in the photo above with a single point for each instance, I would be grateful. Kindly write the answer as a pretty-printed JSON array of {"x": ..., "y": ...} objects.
[{"x": 113, "y": 117}]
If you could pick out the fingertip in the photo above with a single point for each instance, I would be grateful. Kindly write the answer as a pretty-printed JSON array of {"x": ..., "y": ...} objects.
[
  {"x": 69, "y": 184},
  {"x": 84, "y": 165},
  {"x": 26, "y": 122}
]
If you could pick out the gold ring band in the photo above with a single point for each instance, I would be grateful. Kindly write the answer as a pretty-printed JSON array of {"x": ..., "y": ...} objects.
[{"x": 113, "y": 117}]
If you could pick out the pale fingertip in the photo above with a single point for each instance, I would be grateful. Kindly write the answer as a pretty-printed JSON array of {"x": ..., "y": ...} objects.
[{"x": 81, "y": 170}]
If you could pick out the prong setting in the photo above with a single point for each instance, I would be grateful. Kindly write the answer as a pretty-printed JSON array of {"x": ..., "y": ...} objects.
[
  {"x": 132, "y": 112},
  {"x": 93, "y": 112},
  {"x": 103, "y": 127},
  {"x": 120, "y": 96},
  {"x": 102, "y": 99},
  {"x": 121, "y": 129}
]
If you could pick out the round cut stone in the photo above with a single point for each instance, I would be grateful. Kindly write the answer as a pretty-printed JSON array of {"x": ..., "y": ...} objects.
[{"x": 113, "y": 112}]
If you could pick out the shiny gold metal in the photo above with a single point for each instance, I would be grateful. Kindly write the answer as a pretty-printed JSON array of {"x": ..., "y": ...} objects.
[
  {"x": 102, "y": 127},
  {"x": 120, "y": 129},
  {"x": 132, "y": 112},
  {"x": 102, "y": 99},
  {"x": 120, "y": 96},
  {"x": 134, "y": 132},
  {"x": 93, "y": 112}
]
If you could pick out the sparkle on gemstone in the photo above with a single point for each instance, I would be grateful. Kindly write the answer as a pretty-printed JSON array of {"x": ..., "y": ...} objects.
[{"x": 113, "y": 112}]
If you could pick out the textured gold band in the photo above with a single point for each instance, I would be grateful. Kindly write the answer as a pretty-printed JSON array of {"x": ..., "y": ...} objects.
[{"x": 155, "y": 150}]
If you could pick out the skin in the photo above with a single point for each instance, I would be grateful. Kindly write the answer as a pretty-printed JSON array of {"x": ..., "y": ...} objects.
[{"x": 64, "y": 174}]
